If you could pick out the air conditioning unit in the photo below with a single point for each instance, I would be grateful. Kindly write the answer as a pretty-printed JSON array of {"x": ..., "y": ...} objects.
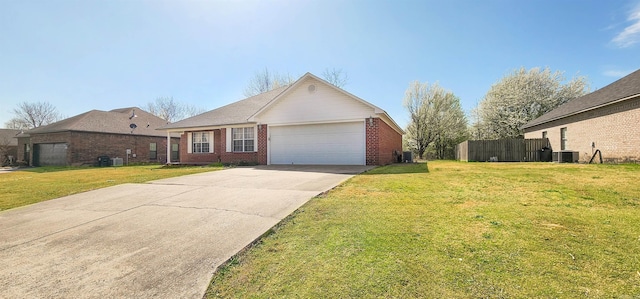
[
  {"x": 565, "y": 157},
  {"x": 407, "y": 157},
  {"x": 116, "y": 161}
]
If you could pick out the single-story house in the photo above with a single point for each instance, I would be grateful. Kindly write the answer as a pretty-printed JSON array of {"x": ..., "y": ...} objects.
[
  {"x": 128, "y": 133},
  {"x": 8, "y": 146},
  {"x": 607, "y": 120},
  {"x": 308, "y": 122}
]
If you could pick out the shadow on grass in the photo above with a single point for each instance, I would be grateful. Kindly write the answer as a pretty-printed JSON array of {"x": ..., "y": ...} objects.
[
  {"x": 45, "y": 169},
  {"x": 400, "y": 168}
]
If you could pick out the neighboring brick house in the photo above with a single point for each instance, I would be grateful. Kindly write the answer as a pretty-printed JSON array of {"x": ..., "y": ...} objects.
[
  {"x": 8, "y": 146},
  {"x": 127, "y": 133},
  {"x": 308, "y": 122},
  {"x": 607, "y": 119}
]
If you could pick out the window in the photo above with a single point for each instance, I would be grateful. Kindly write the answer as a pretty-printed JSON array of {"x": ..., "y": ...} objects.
[
  {"x": 200, "y": 142},
  {"x": 544, "y": 134},
  {"x": 175, "y": 152},
  {"x": 243, "y": 139},
  {"x": 563, "y": 139},
  {"x": 153, "y": 151}
]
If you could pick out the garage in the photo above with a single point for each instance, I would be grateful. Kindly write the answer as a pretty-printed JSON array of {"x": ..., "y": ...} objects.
[
  {"x": 50, "y": 154},
  {"x": 318, "y": 144}
]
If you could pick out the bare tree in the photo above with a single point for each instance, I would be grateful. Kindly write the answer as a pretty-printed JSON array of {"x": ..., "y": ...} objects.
[
  {"x": 437, "y": 121},
  {"x": 33, "y": 115},
  {"x": 170, "y": 110},
  {"x": 336, "y": 77},
  {"x": 190, "y": 110},
  {"x": 521, "y": 97},
  {"x": 16, "y": 124},
  {"x": 264, "y": 81}
]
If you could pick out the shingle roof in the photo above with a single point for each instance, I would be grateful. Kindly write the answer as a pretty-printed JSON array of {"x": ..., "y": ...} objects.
[
  {"x": 116, "y": 121},
  {"x": 7, "y": 137},
  {"x": 623, "y": 88},
  {"x": 234, "y": 113}
]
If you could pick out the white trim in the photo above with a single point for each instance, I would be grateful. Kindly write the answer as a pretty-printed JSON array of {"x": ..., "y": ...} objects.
[
  {"x": 211, "y": 142},
  {"x": 255, "y": 139},
  {"x": 268, "y": 145},
  {"x": 318, "y": 122},
  {"x": 189, "y": 143},
  {"x": 228, "y": 137},
  {"x": 168, "y": 148}
]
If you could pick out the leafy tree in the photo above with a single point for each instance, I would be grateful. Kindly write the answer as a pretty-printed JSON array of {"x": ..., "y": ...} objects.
[
  {"x": 33, "y": 115},
  {"x": 437, "y": 122},
  {"x": 336, "y": 77},
  {"x": 521, "y": 97},
  {"x": 264, "y": 81},
  {"x": 170, "y": 110}
]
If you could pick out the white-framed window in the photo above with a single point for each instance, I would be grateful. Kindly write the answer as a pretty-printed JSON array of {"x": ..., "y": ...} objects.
[
  {"x": 243, "y": 139},
  {"x": 201, "y": 142}
]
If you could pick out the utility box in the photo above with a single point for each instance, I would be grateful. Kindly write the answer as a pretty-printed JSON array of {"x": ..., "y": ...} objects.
[{"x": 104, "y": 161}]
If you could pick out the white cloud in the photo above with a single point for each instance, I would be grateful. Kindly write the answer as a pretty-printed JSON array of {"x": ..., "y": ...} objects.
[
  {"x": 631, "y": 34},
  {"x": 616, "y": 73}
]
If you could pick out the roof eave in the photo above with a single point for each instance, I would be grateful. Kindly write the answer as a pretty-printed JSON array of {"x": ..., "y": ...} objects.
[{"x": 526, "y": 126}]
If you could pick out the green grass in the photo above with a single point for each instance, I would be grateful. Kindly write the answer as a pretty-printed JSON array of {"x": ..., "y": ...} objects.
[
  {"x": 454, "y": 230},
  {"x": 32, "y": 185}
]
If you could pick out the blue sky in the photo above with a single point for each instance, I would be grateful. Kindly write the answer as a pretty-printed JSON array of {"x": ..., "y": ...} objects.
[{"x": 82, "y": 54}]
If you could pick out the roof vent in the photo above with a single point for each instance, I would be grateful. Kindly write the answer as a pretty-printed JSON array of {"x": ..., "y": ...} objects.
[{"x": 312, "y": 88}]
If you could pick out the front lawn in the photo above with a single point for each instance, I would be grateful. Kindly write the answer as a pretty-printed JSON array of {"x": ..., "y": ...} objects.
[
  {"x": 454, "y": 230},
  {"x": 32, "y": 185}
]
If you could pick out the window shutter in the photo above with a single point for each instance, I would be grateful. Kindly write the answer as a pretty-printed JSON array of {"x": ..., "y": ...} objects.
[
  {"x": 189, "y": 142},
  {"x": 229, "y": 132},
  {"x": 255, "y": 138},
  {"x": 211, "y": 141}
]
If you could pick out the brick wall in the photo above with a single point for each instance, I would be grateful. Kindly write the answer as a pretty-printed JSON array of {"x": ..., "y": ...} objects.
[
  {"x": 262, "y": 144},
  {"x": 201, "y": 158},
  {"x": 84, "y": 148},
  {"x": 373, "y": 144},
  {"x": 220, "y": 153},
  {"x": 390, "y": 143},
  {"x": 614, "y": 129},
  {"x": 382, "y": 142}
]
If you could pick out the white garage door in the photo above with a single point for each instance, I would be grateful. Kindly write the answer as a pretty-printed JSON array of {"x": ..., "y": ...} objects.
[{"x": 330, "y": 144}]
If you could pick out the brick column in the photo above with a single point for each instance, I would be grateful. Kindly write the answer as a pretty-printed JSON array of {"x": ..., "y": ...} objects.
[{"x": 372, "y": 135}]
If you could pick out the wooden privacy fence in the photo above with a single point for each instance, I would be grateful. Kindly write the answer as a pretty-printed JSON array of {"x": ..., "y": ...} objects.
[{"x": 504, "y": 150}]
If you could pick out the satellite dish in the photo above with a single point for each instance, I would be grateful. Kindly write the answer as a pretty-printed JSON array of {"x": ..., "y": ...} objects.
[{"x": 133, "y": 126}]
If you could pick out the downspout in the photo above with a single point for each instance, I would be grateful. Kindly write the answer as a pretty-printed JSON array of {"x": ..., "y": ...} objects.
[{"x": 168, "y": 148}]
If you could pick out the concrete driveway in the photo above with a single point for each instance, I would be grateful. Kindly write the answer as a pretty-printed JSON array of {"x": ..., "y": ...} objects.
[{"x": 163, "y": 239}]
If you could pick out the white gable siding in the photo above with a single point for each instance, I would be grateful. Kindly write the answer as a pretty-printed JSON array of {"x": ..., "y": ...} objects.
[{"x": 325, "y": 104}]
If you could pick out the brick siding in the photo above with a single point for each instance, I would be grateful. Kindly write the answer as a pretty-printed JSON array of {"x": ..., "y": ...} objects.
[
  {"x": 614, "y": 129},
  {"x": 220, "y": 153},
  {"x": 382, "y": 143}
]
